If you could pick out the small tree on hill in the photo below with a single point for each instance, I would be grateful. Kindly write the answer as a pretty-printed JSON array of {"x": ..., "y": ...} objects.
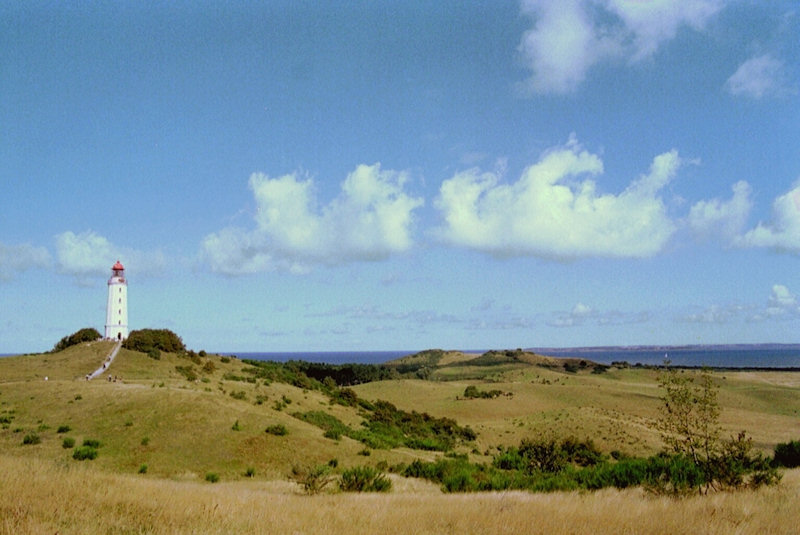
[{"x": 690, "y": 427}]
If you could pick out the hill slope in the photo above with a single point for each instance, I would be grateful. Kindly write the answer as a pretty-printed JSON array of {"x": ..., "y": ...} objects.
[{"x": 215, "y": 420}]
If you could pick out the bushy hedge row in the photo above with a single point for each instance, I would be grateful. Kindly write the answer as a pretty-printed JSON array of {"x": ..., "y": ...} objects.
[
  {"x": 788, "y": 454},
  {"x": 387, "y": 427},
  {"x": 145, "y": 340},
  {"x": 88, "y": 334},
  {"x": 545, "y": 465}
]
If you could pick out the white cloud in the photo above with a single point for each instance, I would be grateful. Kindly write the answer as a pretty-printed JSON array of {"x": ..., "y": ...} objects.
[
  {"x": 759, "y": 77},
  {"x": 783, "y": 231},
  {"x": 571, "y": 36},
  {"x": 17, "y": 258},
  {"x": 562, "y": 45},
  {"x": 549, "y": 212},
  {"x": 369, "y": 220},
  {"x": 782, "y": 302},
  {"x": 717, "y": 314},
  {"x": 654, "y": 22},
  {"x": 581, "y": 314},
  {"x": 89, "y": 255},
  {"x": 722, "y": 218}
]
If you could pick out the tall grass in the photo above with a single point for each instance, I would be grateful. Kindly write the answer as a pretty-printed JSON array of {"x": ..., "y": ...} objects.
[{"x": 44, "y": 497}]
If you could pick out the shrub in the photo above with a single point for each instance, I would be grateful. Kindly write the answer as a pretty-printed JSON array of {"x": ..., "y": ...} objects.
[
  {"x": 240, "y": 395},
  {"x": 187, "y": 371},
  {"x": 212, "y": 477},
  {"x": 64, "y": 429},
  {"x": 31, "y": 439},
  {"x": 364, "y": 479},
  {"x": 250, "y": 472},
  {"x": 278, "y": 430},
  {"x": 91, "y": 443},
  {"x": 143, "y": 469},
  {"x": 145, "y": 441},
  {"x": 78, "y": 337},
  {"x": 235, "y": 426},
  {"x": 787, "y": 454},
  {"x": 154, "y": 353},
  {"x": 312, "y": 479},
  {"x": 144, "y": 340},
  {"x": 68, "y": 443},
  {"x": 84, "y": 453}
]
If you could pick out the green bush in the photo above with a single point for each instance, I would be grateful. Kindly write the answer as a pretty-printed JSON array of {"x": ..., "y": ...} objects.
[
  {"x": 250, "y": 472},
  {"x": 212, "y": 477},
  {"x": 144, "y": 340},
  {"x": 31, "y": 439},
  {"x": 92, "y": 443},
  {"x": 143, "y": 469},
  {"x": 84, "y": 335},
  {"x": 84, "y": 453},
  {"x": 64, "y": 429},
  {"x": 313, "y": 479},
  {"x": 364, "y": 479},
  {"x": 68, "y": 443},
  {"x": 787, "y": 454},
  {"x": 188, "y": 372},
  {"x": 278, "y": 430}
]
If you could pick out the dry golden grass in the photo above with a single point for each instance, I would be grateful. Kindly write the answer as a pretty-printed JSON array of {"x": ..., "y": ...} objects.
[{"x": 40, "y": 497}]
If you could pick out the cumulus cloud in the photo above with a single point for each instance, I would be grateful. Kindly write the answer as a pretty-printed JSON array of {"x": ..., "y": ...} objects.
[
  {"x": 18, "y": 258},
  {"x": 571, "y": 36},
  {"x": 782, "y": 233},
  {"x": 370, "y": 219},
  {"x": 722, "y": 218},
  {"x": 759, "y": 77},
  {"x": 88, "y": 256},
  {"x": 782, "y": 302},
  {"x": 555, "y": 211}
]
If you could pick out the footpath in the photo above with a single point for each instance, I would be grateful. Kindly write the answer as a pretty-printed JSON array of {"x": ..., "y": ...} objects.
[{"x": 109, "y": 359}]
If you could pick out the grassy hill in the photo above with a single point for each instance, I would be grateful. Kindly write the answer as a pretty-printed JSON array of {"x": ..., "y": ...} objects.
[{"x": 185, "y": 416}]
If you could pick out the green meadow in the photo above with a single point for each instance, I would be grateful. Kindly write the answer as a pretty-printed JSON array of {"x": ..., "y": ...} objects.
[{"x": 161, "y": 427}]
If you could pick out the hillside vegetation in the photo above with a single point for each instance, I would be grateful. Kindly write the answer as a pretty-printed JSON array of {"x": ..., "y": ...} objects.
[{"x": 182, "y": 418}]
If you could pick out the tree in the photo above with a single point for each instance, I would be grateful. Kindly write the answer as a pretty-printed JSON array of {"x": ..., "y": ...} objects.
[
  {"x": 690, "y": 427},
  {"x": 689, "y": 422}
]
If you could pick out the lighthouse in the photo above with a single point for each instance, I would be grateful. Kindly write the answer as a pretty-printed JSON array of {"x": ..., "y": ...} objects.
[{"x": 117, "y": 307}]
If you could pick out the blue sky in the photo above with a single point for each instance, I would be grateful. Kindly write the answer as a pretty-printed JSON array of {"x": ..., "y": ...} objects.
[{"x": 291, "y": 176}]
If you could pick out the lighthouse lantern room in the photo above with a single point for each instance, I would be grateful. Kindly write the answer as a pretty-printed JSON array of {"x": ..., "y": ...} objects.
[{"x": 117, "y": 307}]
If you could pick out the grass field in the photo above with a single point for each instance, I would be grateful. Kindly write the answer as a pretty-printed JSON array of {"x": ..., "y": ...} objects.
[
  {"x": 41, "y": 497},
  {"x": 182, "y": 430}
]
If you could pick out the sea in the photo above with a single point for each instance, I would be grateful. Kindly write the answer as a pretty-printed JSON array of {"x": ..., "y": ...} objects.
[{"x": 739, "y": 356}]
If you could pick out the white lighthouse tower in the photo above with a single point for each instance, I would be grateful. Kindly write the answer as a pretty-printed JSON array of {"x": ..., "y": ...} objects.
[{"x": 117, "y": 307}]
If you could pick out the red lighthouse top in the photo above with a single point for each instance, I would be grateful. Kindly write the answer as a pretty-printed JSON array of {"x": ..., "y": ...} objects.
[{"x": 117, "y": 266}]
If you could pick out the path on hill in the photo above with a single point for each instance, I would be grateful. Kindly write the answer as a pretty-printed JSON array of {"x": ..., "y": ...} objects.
[{"x": 106, "y": 363}]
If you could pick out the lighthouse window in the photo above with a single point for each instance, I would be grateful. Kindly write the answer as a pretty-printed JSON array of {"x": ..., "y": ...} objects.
[{"x": 120, "y": 300}]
